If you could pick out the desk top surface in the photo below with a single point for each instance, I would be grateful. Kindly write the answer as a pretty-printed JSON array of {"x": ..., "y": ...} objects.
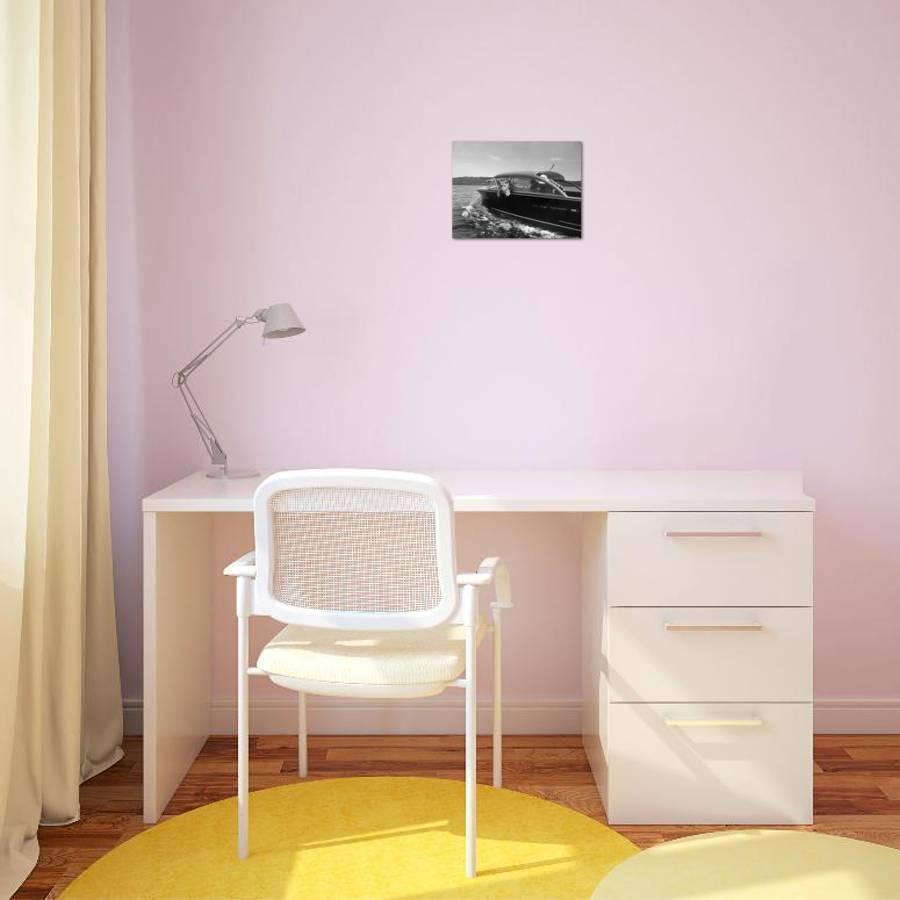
[{"x": 545, "y": 491}]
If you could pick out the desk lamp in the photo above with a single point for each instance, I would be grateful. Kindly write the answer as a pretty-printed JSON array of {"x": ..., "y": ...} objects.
[{"x": 279, "y": 321}]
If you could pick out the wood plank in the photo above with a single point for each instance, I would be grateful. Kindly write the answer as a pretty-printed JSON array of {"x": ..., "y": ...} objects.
[
  {"x": 856, "y": 740},
  {"x": 890, "y": 787},
  {"x": 880, "y": 753}
]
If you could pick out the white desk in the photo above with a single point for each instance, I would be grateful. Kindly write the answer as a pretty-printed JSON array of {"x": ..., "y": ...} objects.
[{"x": 179, "y": 573}]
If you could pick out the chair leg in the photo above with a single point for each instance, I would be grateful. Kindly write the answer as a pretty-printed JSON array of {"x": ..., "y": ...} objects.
[
  {"x": 243, "y": 738},
  {"x": 471, "y": 738},
  {"x": 302, "y": 757},
  {"x": 497, "y": 741}
]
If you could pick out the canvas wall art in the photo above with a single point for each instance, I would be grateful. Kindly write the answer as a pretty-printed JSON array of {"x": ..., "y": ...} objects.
[{"x": 517, "y": 189}]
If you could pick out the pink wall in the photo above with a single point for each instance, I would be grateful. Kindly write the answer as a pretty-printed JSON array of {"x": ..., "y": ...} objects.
[{"x": 735, "y": 302}]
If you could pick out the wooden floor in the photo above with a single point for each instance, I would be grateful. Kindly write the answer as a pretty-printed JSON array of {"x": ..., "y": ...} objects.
[{"x": 857, "y": 787}]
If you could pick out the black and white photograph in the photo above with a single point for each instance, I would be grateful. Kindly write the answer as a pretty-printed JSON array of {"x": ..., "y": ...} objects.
[{"x": 517, "y": 189}]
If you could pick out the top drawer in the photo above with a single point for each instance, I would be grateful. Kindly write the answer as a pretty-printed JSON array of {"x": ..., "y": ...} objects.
[{"x": 709, "y": 559}]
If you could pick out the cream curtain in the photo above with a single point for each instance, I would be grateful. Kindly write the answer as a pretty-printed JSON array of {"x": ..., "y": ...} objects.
[{"x": 60, "y": 703}]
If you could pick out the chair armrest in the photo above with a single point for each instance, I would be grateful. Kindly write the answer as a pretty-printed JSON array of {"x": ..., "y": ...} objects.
[
  {"x": 245, "y": 566},
  {"x": 491, "y": 571}
]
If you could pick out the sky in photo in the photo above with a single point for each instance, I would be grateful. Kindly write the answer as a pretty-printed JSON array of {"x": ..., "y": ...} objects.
[{"x": 472, "y": 158}]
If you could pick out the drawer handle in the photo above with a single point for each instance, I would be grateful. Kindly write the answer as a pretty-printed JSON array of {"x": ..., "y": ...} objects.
[
  {"x": 712, "y": 534},
  {"x": 751, "y": 722},
  {"x": 735, "y": 626}
]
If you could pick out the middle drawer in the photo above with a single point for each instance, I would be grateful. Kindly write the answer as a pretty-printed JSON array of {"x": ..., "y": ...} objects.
[{"x": 710, "y": 654}]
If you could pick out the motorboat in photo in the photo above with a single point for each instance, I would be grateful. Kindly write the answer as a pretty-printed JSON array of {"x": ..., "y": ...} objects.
[{"x": 543, "y": 199}]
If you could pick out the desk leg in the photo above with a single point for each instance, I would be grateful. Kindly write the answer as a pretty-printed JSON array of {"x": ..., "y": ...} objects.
[
  {"x": 594, "y": 650},
  {"x": 177, "y": 588}
]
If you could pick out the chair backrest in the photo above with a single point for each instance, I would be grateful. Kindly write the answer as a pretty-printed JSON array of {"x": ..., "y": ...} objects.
[{"x": 354, "y": 549}]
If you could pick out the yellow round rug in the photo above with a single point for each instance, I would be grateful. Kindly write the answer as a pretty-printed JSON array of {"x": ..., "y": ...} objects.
[
  {"x": 363, "y": 837},
  {"x": 757, "y": 865}
]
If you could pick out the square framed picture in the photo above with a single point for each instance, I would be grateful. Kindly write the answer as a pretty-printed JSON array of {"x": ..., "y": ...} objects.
[{"x": 517, "y": 189}]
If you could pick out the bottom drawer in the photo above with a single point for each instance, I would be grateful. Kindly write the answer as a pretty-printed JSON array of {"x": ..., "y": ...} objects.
[{"x": 733, "y": 763}]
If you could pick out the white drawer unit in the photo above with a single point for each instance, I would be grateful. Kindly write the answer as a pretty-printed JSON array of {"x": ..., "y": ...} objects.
[
  {"x": 710, "y": 559},
  {"x": 723, "y": 654},
  {"x": 697, "y": 663},
  {"x": 705, "y": 763}
]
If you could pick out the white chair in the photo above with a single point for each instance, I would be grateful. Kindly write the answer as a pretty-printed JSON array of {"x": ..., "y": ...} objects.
[{"x": 360, "y": 565}]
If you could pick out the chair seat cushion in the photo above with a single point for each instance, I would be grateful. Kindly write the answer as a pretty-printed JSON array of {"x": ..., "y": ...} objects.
[{"x": 334, "y": 656}]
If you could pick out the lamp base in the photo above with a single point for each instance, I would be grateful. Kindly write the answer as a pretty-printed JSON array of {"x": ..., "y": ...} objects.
[{"x": 228, "y": 473}]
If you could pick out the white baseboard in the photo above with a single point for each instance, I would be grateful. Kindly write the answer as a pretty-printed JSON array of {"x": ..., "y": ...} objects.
[
  {"x": 133, "y": 716},
  {"x": 857, "y": 716},
  {"x": 334, "y": 716},
  {"x": 443, "y": 716}
]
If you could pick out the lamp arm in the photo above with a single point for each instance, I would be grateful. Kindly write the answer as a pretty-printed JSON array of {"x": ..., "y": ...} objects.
[
  {"x": 217, "y": 455},
  {"x": 180, "y": 380},
  {"x": 211, "y": 347}
]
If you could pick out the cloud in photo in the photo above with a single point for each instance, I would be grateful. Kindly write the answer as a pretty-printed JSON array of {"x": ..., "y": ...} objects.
[{"x": 483, "y": 159}]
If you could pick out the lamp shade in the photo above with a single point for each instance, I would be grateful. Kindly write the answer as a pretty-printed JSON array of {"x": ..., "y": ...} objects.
[{"x": 281, "y": 321}]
